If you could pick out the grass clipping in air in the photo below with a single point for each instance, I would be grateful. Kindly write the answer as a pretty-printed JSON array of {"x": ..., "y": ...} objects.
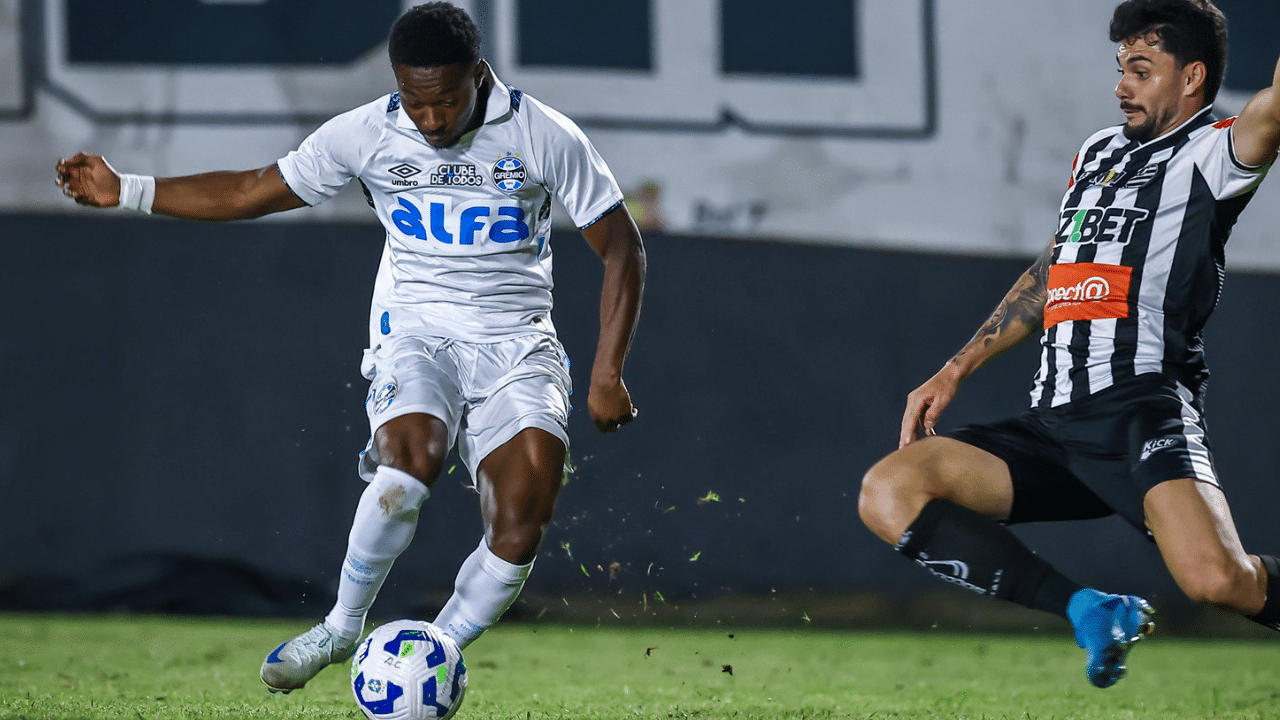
[{"x": 128, "y": 667}]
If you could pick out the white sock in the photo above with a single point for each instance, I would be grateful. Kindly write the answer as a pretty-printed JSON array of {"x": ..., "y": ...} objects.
[
  {"x": 485, "y": 588},
  {"x": 385, "y": 521}
]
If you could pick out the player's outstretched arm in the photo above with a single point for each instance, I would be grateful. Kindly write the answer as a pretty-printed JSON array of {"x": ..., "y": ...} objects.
[
  {"x": 616, "y": 240},
  {"x": 227, "y": 195},
  {"x": 1256, "y": 133},
  {"x": 1017, "y": 317}
]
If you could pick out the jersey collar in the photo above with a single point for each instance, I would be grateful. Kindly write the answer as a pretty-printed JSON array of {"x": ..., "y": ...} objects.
[
  {"x": 1202, "y": 117},
  {"x": 497, "y": 109},
  {"x": 499, "y": 98}
]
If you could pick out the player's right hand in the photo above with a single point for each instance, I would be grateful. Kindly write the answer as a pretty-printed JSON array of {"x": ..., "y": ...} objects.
[
  {"x": 926, "y": 403},
  {"x": 89, "y": 180}
]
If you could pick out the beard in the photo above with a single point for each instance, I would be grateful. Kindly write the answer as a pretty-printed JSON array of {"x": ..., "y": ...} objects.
[
  {"x": 1146, "y": 130},
  {"x": 1141, "y": 133}
]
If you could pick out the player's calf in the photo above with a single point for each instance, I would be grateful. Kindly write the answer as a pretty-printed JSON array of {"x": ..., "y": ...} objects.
[{"x": 970, "y": 550}]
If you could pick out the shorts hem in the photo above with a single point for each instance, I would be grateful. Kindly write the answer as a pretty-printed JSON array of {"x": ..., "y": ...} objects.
[
  {"x": 379, "y": 419},
  {"x": 509, "y": 431}
]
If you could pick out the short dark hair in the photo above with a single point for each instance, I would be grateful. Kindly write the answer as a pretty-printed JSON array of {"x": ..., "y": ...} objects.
[
  {"x": 434, "y": 34},
  {"x": 1189, "y": 30}
]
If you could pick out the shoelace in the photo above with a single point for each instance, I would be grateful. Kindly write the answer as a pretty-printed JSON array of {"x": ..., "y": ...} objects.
[{"x": 315, "y": 643}]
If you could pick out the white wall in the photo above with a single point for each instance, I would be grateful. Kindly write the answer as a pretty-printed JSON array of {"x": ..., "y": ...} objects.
[{"x": 1020, "y": 84}]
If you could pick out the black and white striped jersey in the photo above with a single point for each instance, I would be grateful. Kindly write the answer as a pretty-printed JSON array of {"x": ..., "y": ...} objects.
[{"x": 1138, "y": 258}]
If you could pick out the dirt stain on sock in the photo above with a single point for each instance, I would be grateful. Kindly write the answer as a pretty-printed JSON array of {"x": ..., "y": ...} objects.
[{"x": 390, "y": 500}]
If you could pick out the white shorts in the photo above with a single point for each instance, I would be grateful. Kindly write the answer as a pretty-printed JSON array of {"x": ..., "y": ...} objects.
[{"x": 484, "y": 393}]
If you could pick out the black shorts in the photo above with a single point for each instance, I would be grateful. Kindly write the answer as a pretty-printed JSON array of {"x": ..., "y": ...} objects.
[{"x": 1099, "y": 456}]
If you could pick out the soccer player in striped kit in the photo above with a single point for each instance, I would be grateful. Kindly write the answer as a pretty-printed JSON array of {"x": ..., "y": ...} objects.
[
  {"x": 1120, "y": 296},
  {"x": 461, "y": 171}
]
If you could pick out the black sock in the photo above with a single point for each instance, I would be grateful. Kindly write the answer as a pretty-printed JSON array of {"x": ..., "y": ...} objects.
[
  {"x": 969, "y": 549},
  {"x": 1270, "y": 615}
]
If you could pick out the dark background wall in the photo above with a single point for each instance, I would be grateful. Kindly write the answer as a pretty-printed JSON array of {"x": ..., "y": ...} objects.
[{"x": 181, "y": 412}]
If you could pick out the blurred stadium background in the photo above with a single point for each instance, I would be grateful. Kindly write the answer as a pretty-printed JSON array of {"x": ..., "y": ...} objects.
[{"x": 834, "y": 195}]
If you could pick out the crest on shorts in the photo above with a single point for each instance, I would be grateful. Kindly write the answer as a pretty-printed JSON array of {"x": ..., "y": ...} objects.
[{"x": 381, "y": 394}]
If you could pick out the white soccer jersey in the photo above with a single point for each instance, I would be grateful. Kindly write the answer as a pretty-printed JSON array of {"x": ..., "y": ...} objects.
[
  {"x": 1138, "y": 258},
  {"x": 468, "y": 253}
]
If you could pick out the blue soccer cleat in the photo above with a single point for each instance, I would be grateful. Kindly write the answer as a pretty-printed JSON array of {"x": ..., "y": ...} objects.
[{"x": 1107, "y": 626}]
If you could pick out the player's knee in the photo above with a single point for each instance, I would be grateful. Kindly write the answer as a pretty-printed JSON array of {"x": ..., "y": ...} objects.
[
  {"x": 422, "y": 466},
  {"x": 889, "y": 499},
  {"x": 415, "y": 446},
  {"x": 517, "y": 528},
  {"x": 516, "y": 540},
  {"x": 874, "y": 498}
]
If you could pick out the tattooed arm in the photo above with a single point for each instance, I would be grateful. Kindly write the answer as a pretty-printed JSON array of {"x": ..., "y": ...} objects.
[{"x": 1018, "y": 316}]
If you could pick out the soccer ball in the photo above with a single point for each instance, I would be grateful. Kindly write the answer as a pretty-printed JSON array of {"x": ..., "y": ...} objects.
[{"x": 408, "y": 670}]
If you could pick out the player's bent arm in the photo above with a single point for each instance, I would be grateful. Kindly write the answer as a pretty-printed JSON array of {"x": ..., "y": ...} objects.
[
  {"x": 225, "y": 195},
  {"x": 1256, "y": 132},
  {"x": 615, "y": 238},
  {"x": 1019, "y": 315}
]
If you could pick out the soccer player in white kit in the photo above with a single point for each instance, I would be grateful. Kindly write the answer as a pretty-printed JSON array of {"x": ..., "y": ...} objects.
[{"x": 461, "y": 171}]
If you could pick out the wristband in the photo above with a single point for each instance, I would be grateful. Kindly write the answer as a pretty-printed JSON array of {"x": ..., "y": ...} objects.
[{"x": 137, "y": 192}]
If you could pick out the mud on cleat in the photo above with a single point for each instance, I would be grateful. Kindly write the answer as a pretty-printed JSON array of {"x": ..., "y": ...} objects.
[
  {"x": 1107, "y": 626},
  {"x": 296, "y": 661}
]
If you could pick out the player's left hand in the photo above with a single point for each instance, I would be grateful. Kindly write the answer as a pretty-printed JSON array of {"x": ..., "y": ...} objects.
[{"x": 610, "y": 405}]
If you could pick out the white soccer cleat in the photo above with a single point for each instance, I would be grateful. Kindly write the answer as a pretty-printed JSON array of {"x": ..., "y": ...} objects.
[{"x": 296, "y": 661}]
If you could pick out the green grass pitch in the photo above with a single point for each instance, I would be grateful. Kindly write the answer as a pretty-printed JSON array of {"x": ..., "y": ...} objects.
[{"x": 151, "y": 668}]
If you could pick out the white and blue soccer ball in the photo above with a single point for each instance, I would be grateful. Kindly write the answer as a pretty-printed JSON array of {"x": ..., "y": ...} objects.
[{"x": 408, "y": 670}]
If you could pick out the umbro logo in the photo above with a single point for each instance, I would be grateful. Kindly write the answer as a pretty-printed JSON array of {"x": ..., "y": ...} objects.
[{"x": 404, "y": 171}]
